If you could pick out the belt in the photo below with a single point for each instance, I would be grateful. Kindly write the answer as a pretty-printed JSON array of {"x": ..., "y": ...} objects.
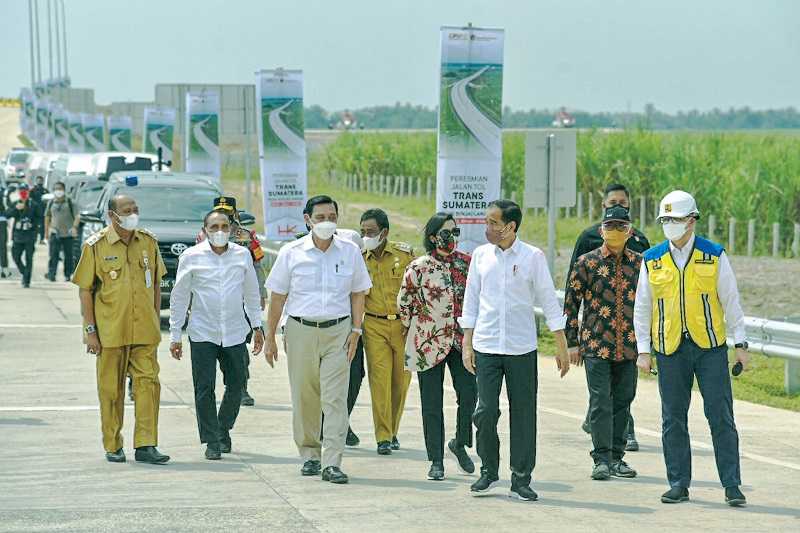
[
  {"x": 321, "y": 325},
  {"x": 384, "y": 317}
]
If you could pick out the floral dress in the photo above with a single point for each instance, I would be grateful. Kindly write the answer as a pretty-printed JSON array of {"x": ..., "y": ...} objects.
[{"x": 430, "y": 301}]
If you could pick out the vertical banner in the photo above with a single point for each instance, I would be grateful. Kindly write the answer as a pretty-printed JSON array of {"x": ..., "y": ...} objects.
[
  {"x": 75, "y": 128},
  {"x": 60, "y": 129},
  {"x": 25, "y": 112},
  {"x": 201, "y": 145},
  {"x": 470, "y": 142},
  {"x": 50, "y": 130},
  {"x": 158, "y": 131},
  {"x": 40, "y": 125},
  {"x": 120, "y": 133},
  {"x": 282, "y": 151},
  {"x": 93, "y": 125}
]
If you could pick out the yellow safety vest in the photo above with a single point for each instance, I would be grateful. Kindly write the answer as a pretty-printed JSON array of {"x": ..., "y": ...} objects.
[{"x": 685, "y": 301}]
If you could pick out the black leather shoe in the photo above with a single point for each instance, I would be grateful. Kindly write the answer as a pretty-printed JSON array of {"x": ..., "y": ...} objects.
[
  {"x": 483, "y": 486},
  {"x": 734, "y": 497},
  {"x": 395, "y": 444},
  {"x": 116, "y": 457},
  {"x": 385, "y": 448},
  {"x": 351, "y": 439},
  {"x": 465, "y": 464},
  {"x": 334, "y": 475},
  {"x": 225, "y": 443},
  {"x": 247, "y": 400},
  {"x": 213, "y": 453},
  {"x": 436, "y": 473},
  {"x": 675, "y": 495},
  {"x": 523, "y": 493},
  {"x": 632, "y": 445},
  {"x": 149, "y": 454},
  {"x": 311, "y": 467}
]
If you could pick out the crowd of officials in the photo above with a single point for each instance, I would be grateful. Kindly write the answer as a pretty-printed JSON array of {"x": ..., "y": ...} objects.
[{"x": 345, "y": 300}]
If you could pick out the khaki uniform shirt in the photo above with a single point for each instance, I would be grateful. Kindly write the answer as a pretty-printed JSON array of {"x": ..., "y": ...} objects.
[
  {"x": 123, "y": 279},
  {"x": 386, "y": 273}
]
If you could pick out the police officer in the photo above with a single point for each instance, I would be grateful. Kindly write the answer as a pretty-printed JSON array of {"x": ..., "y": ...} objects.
[
  {"x": 37, "y": 192},
  {"x": 591, "y": 239},
  {"x": 246, "y": 238},
  {"x": 687, "y": 304},
  {"x": 119, "y": 276},
  {"x": 24, "y": 232},
  {"x": 384, "y": 336}
]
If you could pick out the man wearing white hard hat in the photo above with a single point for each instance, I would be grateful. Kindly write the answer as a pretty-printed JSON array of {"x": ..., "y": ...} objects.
[{"x": 687, "y": 307}]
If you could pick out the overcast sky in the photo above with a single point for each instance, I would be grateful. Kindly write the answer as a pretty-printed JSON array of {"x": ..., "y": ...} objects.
[{"x": 595, "y": 55}]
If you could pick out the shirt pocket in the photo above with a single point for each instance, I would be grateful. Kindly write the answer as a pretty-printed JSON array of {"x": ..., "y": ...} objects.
[
  {"x": 305, "y": 279},
  {"x": 705, "y": 279},
  {"x": 343, "y": 278},
  {"x": 111, "y": 277}
]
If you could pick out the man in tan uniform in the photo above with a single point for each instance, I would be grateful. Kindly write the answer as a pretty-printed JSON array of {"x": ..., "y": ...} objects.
[
  {"x": 119, "y": 276},
  {"x": 384, "y": 335}
]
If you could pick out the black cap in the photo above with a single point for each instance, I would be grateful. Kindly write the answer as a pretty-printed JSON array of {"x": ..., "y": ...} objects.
[
  {"x": 616, "y": 212},
  {"x": 225, "y": 203}
]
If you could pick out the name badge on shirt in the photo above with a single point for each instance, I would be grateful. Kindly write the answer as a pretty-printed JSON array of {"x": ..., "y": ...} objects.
[{"x": 148, "y": 277}]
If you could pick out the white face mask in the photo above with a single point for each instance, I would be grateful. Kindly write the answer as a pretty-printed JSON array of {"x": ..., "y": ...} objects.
[
  {"x": 324, "y": 230},
  {"x": 218, "y": 238},
  {"x": 370, "y": 243},
  {"x": 58, "y": 193},
  {"x": 129, "y": 222},
  {"x": 674, "y": 230}
]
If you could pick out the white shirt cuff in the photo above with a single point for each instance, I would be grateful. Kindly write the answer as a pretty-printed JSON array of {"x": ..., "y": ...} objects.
[
  {"x": 174, "y": 335},
  {"x": 557, "y": 324},
  {"x": 467, "y": 322},
  {"x": 643, "y": 346}
]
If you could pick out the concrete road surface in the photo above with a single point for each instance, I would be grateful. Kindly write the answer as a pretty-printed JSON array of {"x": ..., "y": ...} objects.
[
  {"x": 9, "y": 129},
  {"x": 53, "y": 476}
]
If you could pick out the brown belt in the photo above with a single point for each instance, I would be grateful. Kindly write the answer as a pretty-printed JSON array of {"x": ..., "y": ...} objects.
[{"x": 384, "y": 317}]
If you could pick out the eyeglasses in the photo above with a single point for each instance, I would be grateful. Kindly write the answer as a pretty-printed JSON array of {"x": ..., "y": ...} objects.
[
  {"x": 669, "y": 220},
  {"x": 445, "y": 233},
  {"x": 616, "y": 225}
]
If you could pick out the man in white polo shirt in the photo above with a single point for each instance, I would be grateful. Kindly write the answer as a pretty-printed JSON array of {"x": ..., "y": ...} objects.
[
  {"x": 506, "y": 276},
  {"x": 321, "y": 279}
]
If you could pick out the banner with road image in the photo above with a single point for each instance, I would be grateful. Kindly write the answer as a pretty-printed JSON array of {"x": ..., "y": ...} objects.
[
  {"x": 470, "y": 141},
  {"x": 93, "y": 131},
  {"x": 26, "y": 112},
  {"x": 120, "y": 133},
  {"x": 201, "y": 135},
  {"x": 76, "y": 141},
  {"x": 60, "y": 129},
  {"x": 282, "y": 151},
  {"x": 158, "y": 131},
  {"x": 49, "y": 141},
  {"x": 40, "y": 121}
]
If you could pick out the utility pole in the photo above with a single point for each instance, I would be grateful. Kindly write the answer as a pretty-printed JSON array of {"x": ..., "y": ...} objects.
[
  {"x": 38, "y": 42},
  {"x": 64, "y": 36},
  {"x": 50, "y": 36},
  {"x": 58, "y": 42},
  {"x": 30, "y": 32}
]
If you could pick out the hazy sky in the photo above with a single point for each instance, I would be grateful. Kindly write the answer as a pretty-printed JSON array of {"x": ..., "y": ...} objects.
[{"x": 595, "y": 55}]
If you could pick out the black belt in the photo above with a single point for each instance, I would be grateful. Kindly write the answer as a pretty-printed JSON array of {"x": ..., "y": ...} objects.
[
  {"x": 321, "y": 325},
  {"x": 384, "y": 317}
]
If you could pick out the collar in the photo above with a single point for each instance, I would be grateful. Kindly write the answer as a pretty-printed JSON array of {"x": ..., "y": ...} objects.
[
  {"x": 308, "y": 242},
  {"x": 112, "y": 236},
  {"x": 371, "y": 253},
  {"x": 605, "y": 253},
  {"x": 513, "y": 249},
  {"x": 689, "y": 245},
  {"x": 206, "y": 246}
]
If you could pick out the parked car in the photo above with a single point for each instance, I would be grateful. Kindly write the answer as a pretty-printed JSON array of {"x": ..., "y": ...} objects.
[
  {"x": 69, "y": 164},
  {"x": 171, "y": 205},
  {"x": 105, "y": 163},
  {"x": 16, "y": 164}
]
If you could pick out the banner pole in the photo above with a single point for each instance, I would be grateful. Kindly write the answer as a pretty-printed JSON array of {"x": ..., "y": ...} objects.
[
  {"x": 248, "y": 186},
  {"x": 551, "y": 203}
]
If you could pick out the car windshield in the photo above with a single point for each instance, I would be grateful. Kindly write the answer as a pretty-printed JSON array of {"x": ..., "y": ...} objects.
[
  {"x": 88, "y": 195},
  {"x": 172, "y": 203},
  {"x": 18, "y": 157}
]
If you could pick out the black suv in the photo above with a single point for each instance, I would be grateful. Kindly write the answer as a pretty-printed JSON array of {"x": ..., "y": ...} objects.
[{"x": 171, "y": 205}]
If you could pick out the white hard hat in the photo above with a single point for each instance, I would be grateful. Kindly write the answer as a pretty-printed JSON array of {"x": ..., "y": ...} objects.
[{"x": 677, "y": 204}]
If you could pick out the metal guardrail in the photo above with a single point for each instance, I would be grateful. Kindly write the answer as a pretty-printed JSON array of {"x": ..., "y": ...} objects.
[{"x": 772, "y": 338}]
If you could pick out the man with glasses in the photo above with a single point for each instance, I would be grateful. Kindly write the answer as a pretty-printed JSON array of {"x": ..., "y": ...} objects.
[
  {"x": 616, "y": 194},
  {"x": 687, "y": 306},
  {"x": 384, "y": 339},
  {"x": 603, "y": 283}
]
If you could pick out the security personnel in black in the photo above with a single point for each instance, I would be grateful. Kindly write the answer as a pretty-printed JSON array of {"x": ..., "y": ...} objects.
[
  {"x": 590, "y": 240},
  {"x": 24, "y": 213},
  {"x": 37, "y": 192}
]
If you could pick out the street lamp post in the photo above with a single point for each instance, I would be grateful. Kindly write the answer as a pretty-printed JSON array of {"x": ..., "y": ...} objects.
[
  {"x": 50, "y": 37},
  {"x": 30, "y": 33},
  {"x": 64, "y": 36},
  {"x": 38, "y": 43}
]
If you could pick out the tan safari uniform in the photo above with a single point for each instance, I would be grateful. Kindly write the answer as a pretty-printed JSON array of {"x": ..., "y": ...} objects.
[
  {"x": 123, "y": 279},
  {"x": 384, "y": 343}
]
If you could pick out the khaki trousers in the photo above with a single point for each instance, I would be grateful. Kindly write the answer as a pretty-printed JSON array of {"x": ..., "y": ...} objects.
[
  {"x": 319, "y": 375},
  {"x": 384, "y": 348},
  {"x": 113, "y": 366}
]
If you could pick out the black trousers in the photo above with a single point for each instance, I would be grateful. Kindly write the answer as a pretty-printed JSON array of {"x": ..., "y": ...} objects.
[
  {"x": 612, "y": 388},
  {"x": 520, "y": 373},
  {"x": 214, "y": 425},
  {"x": 356, "y": 376},
  {"x": 57, "y": 245},
  {"x": 3, "y": 244},
  {"x": 20, "y": 250},
  {"x": 676, "y": 375},
  {"x": 40, "y": 227},
  {"x": 431, "y": 392}
]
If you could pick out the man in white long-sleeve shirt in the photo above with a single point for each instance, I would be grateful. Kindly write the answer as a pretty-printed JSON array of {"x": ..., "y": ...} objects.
[
  {"x": 687, "y": 306},
  {"x": 506, "y": 276},
  {"x": 219, "y": 279}
]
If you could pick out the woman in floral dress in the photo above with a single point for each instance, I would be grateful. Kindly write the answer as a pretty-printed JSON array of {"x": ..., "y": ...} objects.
[{"x": 430, "y": 300}]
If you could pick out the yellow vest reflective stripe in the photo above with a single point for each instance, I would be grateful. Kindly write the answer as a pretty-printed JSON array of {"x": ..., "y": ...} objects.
[{"x": 685, "y": 301}]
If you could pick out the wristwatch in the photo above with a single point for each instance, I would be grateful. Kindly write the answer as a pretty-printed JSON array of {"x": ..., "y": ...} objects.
[
  {"x": 259, "y": 328},
  {"x": 743, "y": 345},
  {"x": 89, "y": 329},
  {"x": 358, "y": 330}
]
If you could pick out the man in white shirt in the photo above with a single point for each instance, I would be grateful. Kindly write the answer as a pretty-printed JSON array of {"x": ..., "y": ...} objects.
[
  {"x": 219, "y": 280},
  {"x": 321, "y": 279},
  {"x": 687, "y": 306},
  {"x": 506, "y": 276}
]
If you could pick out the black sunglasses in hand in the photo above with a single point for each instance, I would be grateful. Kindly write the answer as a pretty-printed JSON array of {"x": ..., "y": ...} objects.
[{"x": 444, "y": 233}]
